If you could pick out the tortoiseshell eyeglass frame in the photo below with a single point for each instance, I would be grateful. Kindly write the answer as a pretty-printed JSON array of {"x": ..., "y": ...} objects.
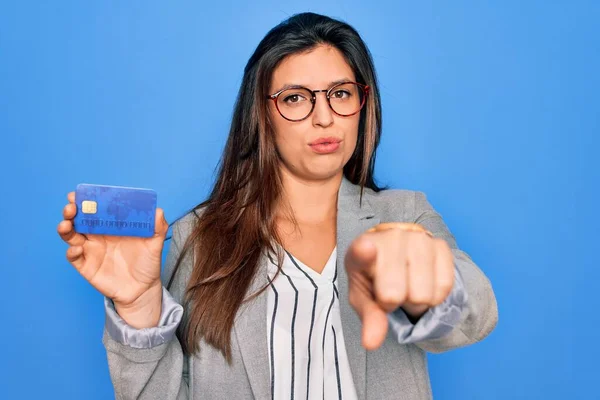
[{"x": 365, "y": 89}]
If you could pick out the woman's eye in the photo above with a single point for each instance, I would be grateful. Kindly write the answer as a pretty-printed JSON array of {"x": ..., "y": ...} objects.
[
  {"x": 341, "y": 94},
  {"x": 294, "y": 98}
]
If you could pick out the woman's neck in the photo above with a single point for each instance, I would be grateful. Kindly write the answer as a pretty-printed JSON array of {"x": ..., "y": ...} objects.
[{"x": 311, "y": 202}]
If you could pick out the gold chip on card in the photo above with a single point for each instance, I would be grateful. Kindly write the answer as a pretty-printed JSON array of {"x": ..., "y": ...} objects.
[{"x": 89, "y": 207}]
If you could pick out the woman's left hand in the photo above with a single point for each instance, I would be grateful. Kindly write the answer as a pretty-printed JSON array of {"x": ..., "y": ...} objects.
[{"x": 396, "y": 268}]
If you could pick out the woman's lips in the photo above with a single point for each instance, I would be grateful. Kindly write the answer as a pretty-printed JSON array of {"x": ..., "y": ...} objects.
[{"x": 325, "y": 145}]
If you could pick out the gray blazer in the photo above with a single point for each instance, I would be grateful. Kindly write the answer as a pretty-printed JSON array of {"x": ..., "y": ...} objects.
[{"x": 149, "y": 363}]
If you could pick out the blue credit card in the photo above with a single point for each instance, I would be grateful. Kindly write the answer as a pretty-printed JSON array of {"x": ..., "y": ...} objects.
[{"x": 115, "y": 210}]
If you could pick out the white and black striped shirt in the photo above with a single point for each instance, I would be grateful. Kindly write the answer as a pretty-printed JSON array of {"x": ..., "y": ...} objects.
[{"x": 306, "y": 345}]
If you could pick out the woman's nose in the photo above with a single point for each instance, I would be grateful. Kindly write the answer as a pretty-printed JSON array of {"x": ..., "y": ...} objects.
[{"x": 322, "y": 114}]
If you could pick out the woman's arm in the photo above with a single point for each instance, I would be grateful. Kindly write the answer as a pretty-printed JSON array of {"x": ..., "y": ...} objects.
[
  {"x": 149, "y": 363},
  {"x": 480, "y": 311}
]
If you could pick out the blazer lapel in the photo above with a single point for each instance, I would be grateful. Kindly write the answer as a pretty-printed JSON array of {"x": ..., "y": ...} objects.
[
  {"x": 250, "y": 330},
  {"x": 353, "y": 219}
]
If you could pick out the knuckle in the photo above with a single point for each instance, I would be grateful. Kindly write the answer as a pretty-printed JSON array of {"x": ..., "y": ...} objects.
[
  {"x": 394, "y": 297},
  {"x": 397, "y": 234},
  {"x": 421, "y": 297},
  {"x": 388, "y": 307},
  {"x": 436, "y": 301},
  {"x": 389, "y": 298},
  {"x": 445, "y": 288},
  {"x": 420, "y": 247},
  {"x": 443, "y": 293},
  {"x": 420, "y": 239},
  {"x": 442, "y": 244}
]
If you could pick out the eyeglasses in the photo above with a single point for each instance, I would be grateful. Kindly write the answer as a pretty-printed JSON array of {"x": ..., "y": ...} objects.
[{"x": 297, "y": 103}]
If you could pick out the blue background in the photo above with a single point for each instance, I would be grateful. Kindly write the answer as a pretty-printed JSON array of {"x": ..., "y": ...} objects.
[{"x": 491, "y": 108}]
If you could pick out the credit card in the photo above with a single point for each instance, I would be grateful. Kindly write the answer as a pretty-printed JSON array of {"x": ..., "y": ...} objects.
[{"x": 115, "y": 210}]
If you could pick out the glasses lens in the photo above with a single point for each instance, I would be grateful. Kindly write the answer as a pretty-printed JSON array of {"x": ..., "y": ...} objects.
[
  {"x": 295, "y": 104},
  {"x": 346, "y": 98}
]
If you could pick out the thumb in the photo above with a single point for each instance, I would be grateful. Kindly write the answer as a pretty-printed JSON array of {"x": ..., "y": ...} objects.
[{"x": 160, "y": 226}]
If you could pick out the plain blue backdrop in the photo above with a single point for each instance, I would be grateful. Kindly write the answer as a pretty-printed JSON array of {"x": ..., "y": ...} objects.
[{"x": 491, "y": 108}]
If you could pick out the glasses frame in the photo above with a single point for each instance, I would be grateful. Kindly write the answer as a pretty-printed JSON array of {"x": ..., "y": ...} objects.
[{"x": 313, "y": 99}]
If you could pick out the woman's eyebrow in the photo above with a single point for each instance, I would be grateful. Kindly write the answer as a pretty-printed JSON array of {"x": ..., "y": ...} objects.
[{"x": 296, "y": 85}]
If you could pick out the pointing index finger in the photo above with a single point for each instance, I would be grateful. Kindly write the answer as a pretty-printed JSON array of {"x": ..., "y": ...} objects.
[{"x": 373, "y": 318}]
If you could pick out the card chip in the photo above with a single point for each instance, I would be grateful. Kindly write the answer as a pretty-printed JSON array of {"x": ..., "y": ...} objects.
[{"x": 89, "y": 207}]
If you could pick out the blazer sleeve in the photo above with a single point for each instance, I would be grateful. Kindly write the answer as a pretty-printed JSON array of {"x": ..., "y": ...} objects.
[
  {"x": 149, "y": 363},
  {"x": 479, "y": 309},
  {"x": 437, "y": 322}
]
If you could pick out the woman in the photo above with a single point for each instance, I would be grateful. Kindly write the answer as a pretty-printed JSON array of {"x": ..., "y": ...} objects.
[{"x": 299, "y": 277}]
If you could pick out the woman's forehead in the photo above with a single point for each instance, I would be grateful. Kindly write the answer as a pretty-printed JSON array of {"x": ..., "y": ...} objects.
[{"x": 315, "y": 69}]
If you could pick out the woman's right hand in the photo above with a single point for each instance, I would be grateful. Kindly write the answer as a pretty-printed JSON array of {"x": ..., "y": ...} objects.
[{"x": 124, "y": 269}]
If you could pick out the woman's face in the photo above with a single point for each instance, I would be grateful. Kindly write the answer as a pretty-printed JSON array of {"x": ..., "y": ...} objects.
[{"x": 295, "y": 141}]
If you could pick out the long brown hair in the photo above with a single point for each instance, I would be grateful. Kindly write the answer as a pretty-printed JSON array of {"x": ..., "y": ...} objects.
[{"x": 236, "y": 223}]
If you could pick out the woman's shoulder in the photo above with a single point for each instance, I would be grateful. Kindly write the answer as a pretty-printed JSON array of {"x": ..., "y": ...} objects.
[
  {"x": 182, "y": 227},
  {"x": 394, "y": 196},
  {"x": 396, "y": 203}
]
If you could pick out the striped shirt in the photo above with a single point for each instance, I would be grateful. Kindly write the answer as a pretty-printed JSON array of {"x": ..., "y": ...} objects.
[{"x": 306, "y": 345}]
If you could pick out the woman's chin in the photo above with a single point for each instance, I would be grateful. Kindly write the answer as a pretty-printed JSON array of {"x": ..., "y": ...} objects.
[
  {"x": 319, "y": 171},
  {"x": 322, "y": 174}
]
